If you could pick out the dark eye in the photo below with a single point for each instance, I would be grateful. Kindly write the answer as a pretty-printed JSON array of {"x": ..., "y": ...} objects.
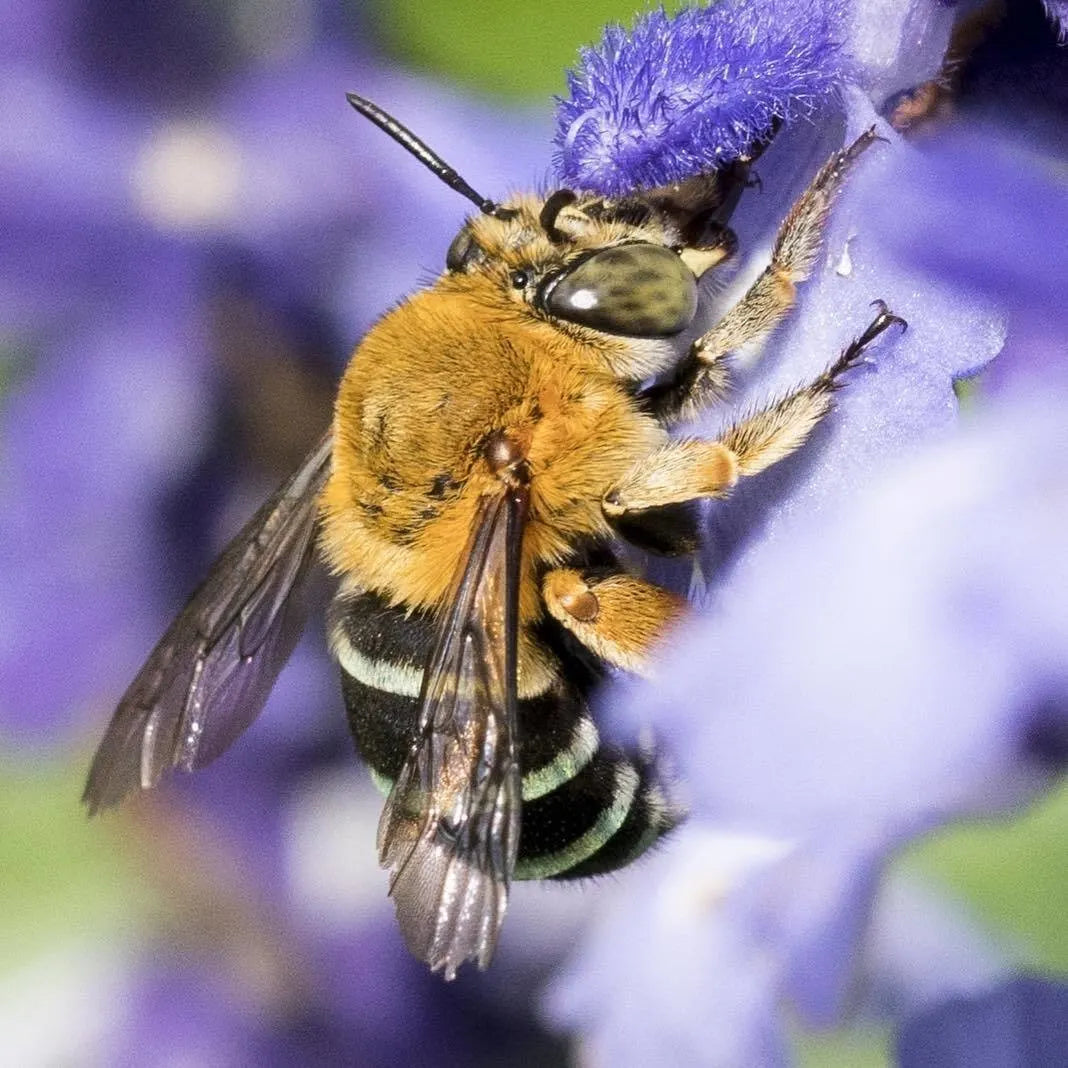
[
  {"x": 639, "y": 290},
  {"x": 520, "y": 279}
]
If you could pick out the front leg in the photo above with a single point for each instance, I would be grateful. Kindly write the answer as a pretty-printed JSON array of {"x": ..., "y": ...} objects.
[
  {"x": 689, "y": 468},
  {"x": 702, "y": 377},
  {"x": 616, "y": 616}
]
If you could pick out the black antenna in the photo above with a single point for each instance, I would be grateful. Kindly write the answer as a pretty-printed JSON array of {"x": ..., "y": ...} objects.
[
  {"x": 403, "y": 136},
  {"x": 551, "y": 209}
]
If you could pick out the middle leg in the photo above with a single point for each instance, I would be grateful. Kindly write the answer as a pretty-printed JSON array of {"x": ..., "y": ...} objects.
[
  {"x": 690, "y": 468},
  {"x": 616, "y": 616}
]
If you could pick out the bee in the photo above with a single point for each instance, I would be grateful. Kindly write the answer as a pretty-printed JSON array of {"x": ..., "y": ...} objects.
[{"x": 494, "y": 436}]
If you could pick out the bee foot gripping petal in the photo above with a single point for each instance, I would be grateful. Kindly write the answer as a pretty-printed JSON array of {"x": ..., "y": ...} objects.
[{"x": 680, "y": 95}]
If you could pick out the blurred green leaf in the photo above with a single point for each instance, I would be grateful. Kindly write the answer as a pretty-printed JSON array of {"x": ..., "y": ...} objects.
[
  {"x": 15, "y": 363},
  {"x": 504, "y": 49},
  {"x": 859, "y": 1047},
  {"x": 63, "y": 877},
  {"x": 1012, "y": 874}
]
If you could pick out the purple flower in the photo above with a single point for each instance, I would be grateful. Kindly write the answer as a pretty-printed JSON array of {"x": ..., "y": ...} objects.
[
  {"x": 898, "y": 402},
  {"x": 102, "y": 408},
  {"x": 679, "y": 94},
  {"x": 982, "y": 206},
  {"x": 1021, "y": 1024},
  {"x": 889, "y": 666},
  {"x": 362, "y": 1000},
  {"x": 883, "y": 647},
  {"x": 36, "y": 34}
]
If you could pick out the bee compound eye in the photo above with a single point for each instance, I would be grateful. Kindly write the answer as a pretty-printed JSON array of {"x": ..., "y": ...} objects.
[{"x": 639, "y": 290}]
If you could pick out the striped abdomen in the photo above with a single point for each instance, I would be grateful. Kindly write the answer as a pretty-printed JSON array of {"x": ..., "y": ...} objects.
[{"x": 588, "y": 807}]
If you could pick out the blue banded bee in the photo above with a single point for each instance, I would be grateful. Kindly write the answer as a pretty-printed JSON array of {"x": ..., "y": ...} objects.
[{"x": 494, "y": 435}]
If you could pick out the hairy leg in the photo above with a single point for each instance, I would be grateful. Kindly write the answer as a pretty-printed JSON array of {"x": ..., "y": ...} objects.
[
  {"x": 690, "y": 468},
  {"x": 703, "y": 375},
  {"x": 616, "y": 616}
]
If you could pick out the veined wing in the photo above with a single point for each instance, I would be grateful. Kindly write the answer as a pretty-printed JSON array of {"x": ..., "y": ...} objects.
[
  {"x": 213, "y": 669},
  {"x": 450, "y": 828}
]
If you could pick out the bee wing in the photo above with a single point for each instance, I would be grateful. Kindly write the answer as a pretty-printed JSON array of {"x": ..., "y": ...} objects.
[
  {"x": 450, "y": 828},
  {"x": 213, "y": 669}
]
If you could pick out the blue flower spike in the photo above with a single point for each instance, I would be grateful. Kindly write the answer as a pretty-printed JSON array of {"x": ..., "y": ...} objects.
[{"x": 679, "y": 94}]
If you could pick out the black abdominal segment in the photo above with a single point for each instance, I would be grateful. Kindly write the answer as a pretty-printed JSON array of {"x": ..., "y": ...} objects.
[{"x": 588, "y": 807}]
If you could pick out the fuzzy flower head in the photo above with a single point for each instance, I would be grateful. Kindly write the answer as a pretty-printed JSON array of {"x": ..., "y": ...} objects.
[{"x": 681, "y": 94}]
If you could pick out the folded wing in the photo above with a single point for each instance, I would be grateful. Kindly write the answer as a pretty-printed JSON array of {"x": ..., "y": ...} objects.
[
  {"x": 450, "y": 828},
  {"x": 214, "y": 668}
]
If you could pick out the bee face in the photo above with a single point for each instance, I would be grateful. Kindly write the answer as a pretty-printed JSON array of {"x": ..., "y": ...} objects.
[{"x": 571, "y": 262}]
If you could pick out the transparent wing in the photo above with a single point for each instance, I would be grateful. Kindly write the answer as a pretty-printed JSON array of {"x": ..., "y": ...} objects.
[
  {"x": 450, "y": 828},
  {"x": 213, "y": 669}
]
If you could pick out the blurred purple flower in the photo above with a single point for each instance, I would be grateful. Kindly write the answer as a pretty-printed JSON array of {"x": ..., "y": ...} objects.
[
  {"x": 103, "y": 402},
  {"x": 35, "y": 32},
  {"x": 370, "y": 1005},
  {"x": 842, "y": 721},
  {"x": 190, "y": 1014},
  {"x": 883, "y": 649},
  {"x": 1023, "y": 1024},
  {"x": 950, "y": 561}
]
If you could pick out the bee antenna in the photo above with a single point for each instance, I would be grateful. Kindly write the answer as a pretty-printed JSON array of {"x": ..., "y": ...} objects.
[
  {"x": 422, "y": 152},
  {"x": 551, "y": 209}
]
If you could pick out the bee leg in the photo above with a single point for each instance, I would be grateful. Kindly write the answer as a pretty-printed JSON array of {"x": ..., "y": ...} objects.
[
  {"x": 709, "y": 380},
  {"x": 688, "y": 468},
  {"x": 719, "y": 245},
  {"x": 702, "y": 375},
  {"x": 682, "y": 470},
  {"x": 672, "y": 530},
  {"x": 616, "y": 616}
]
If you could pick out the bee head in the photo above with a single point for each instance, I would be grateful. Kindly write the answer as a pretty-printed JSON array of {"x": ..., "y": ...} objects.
[
  {"x": 617, "y": 269},
  {"x": 619, "y": 276}
]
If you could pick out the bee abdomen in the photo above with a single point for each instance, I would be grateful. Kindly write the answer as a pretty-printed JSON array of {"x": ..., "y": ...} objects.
[
  {"x": 381, "y": 651},
  {"x": 382, "y": 700},
  {"x": 598, "y": 821},
  {"x": 649, "y": 817},
  {"x": 587, "y": 809}
]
